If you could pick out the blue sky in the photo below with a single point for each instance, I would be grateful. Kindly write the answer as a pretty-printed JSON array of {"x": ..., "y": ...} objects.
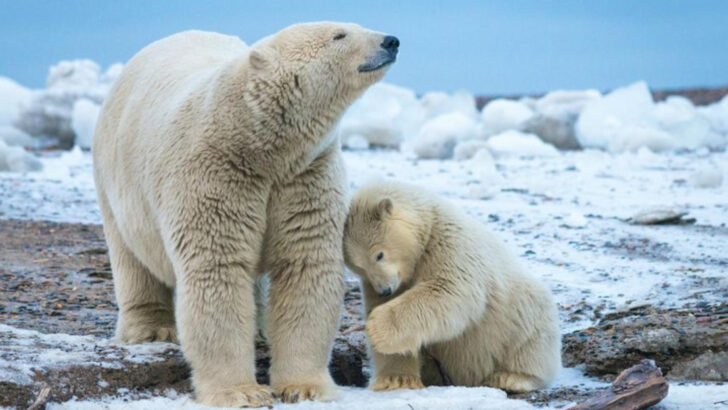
[{"x": 488, "y": 47}]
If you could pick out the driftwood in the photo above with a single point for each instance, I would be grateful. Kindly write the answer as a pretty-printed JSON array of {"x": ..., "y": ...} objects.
[
  {"x": 42, "y": 399},
  {"x": 638, "y": 387}
]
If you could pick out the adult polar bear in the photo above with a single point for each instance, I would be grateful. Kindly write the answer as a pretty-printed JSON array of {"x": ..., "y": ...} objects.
[{"x": 213, "y": 165}]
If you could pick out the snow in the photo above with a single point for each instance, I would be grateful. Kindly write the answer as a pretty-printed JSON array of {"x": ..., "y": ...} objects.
[
  {"x": 708, "y": 175},
  {"x": 516, "y": 143},
  {"x": 25, "y": 350},
  {"x": 703, "y": 396},
  {"x": 503, "y": 115},
  {"x": 349, "y": 398},
  {"x": 83, "y": 121}
]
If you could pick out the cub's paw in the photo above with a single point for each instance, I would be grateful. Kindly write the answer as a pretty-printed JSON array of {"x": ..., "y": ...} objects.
[
  {"x": 249, "y": 395},
  {"x": 386, "y": 335},
  {"x": 293, "y": 393},
  {"x": 145, "y": 333},
  {"x": 396, "y": 381}
]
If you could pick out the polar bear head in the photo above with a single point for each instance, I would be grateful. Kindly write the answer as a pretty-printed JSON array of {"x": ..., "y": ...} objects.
[
  {"x": 383, "y": 240},
  {"x": 325, "y": 63}
]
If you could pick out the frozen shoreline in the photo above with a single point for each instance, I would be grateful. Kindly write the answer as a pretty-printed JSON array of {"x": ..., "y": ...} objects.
[{"x": 563, "y": 214}]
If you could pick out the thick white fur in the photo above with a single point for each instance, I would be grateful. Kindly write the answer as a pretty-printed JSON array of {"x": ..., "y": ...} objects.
[
  {"x": 460, "y": 298},
  {"x": 214, "y": 164}
]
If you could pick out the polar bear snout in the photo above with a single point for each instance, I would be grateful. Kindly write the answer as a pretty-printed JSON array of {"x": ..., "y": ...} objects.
[
  {"x": 385, "y": 292},
  {"x": 391, "y": 44},
  {"x": 386, "y": 55}
]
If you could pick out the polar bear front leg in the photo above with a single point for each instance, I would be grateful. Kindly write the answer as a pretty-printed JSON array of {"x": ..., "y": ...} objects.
[
  {"x": 217, "y": 235},
  {"x": 431, "y": 311},
  {"x": 305, "y": 262},
  {"x": 391, "y": 372}
]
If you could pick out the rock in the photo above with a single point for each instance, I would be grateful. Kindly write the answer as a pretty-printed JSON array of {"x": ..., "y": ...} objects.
[
  {"x": 688, "y": 344},
  {"x": 660, "y": 216},
  {"x": 638, "y": 387}
]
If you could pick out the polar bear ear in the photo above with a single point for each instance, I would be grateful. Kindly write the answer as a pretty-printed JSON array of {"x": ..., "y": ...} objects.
[
  {"x": 384, "y": 208},
  {"x": 263, "y": 59}
]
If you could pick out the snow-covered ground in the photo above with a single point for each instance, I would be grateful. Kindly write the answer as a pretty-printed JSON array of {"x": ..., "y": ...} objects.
[{"x": 564, "y": 214}]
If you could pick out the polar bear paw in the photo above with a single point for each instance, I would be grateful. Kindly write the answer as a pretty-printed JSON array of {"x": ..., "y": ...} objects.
[
  {"x": 293, "y": 393},
  {"x": 387, "y": 336},
  {"x": 397, "y": 381},
  {"x": 144, "y": 333},
  {"x": 248, "y": 395}
]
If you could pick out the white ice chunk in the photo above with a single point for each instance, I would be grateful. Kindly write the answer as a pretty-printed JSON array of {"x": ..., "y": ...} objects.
[
  {"x": 74, "y": 73},
  {"x": 83, "y": 121},
  {"x": 385, "y": 115},
  {"x": 467, "y": 149},
  {"x": 564, "y": 104},
  {"x": 16, "y": 159},
  {"x": 502, "y": 115},
  {"x": 516, "y": 143},
  {"x": 437, "y": 103},
  {"x": 14, "y": 137},
  {"x": 717, "y": 115},
  {"x": 356, "y": 142},
  {"x": 12, "y": 97},
  {"x": 112, "y": 73},
  {"x": 438, "y": 136},
  {"x": 622, "y": 120},
  {"x": 678, "y": 117},
  {"x": 49, "y": 111}
]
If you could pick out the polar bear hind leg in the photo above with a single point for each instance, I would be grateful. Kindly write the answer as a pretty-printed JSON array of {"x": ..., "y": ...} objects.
[{"x": 146, "y": 311}]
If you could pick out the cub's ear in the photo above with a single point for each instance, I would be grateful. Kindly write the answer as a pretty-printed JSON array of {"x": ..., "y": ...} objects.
[
  {"x": 384, "y": 208},
  {"x": 264, "y": 60}
]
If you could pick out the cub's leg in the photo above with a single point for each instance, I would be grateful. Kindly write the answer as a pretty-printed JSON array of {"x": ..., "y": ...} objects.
[
  {"x": 215, "y": 230},
  {"x": 395, "y": 371},
  {"x": 532, "y": 365},
  {"x": 146, "y": 312},
  {"x": 305, "y": 263}
]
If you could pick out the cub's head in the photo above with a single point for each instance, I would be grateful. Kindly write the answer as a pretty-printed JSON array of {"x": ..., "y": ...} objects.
[
  {"x": 381, "y": 242},
  {"x": 325, "y": 60}
]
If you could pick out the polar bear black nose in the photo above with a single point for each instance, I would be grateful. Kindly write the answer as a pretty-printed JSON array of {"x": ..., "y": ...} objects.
[
  {"x": 386, "y": 292},
  {"x": 390, "y": 43}
]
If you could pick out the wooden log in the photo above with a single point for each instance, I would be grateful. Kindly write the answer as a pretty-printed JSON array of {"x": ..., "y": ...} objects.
[{"x": 638, "y": 387}]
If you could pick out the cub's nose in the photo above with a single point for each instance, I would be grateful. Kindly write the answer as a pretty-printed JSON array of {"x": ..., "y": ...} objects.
[
  {"x": 391, "y": 44},
  {"x": 387, "y": 291}
]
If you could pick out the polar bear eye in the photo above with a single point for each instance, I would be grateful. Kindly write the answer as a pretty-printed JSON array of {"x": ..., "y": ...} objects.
[
  {"x": 339, "y": 36},
  {"x": 379, "y": 256}
]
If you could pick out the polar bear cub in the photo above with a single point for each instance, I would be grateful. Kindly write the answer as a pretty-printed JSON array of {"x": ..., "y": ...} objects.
[{"x": 446, "y": 302}]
